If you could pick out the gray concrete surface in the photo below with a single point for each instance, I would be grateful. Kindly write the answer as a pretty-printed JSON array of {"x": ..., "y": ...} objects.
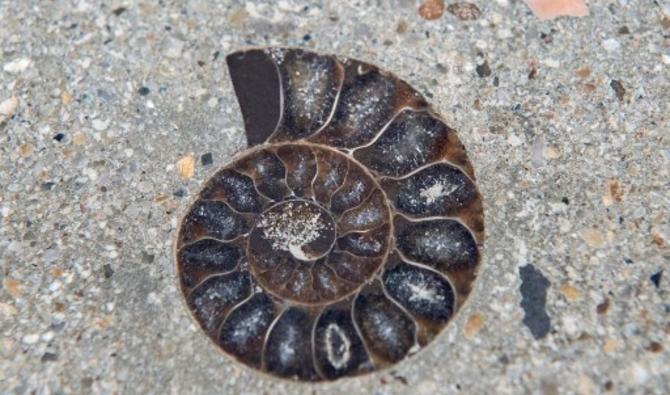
[{"x": 569, "y": 135}]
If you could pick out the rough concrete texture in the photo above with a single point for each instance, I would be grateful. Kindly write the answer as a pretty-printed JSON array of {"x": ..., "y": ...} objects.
[{"x": 566, "y": 123}]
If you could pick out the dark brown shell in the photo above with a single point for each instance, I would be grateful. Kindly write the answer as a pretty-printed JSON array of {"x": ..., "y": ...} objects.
[{"x": 348, "y": 234}]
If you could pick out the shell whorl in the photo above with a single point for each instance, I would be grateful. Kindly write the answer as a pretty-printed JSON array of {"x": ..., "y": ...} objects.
[{"x": 348, "y": 234}]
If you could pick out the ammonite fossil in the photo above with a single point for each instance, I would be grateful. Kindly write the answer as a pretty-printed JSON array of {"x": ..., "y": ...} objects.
[{"x": 346, "y": 237}]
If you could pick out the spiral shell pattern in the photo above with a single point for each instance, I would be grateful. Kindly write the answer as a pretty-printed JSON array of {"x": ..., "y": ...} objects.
[{"x": 349, "y": 233}]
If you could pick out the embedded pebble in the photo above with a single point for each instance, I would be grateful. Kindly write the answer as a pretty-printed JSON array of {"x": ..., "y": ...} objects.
[
  {"x": 66, "y": 97},
  {"x": 26, "y": 149},
  {"x": 427, "y": 387},
  {"x": 173, "y": 48},
  {"x": 483, "y": 70},
  {"x": 551, "y": 152},
  {"x": 8, "y": 107},
  {"x": 99, "y": 124},
  {"x": 611, "y": 44},
  {"x": 12, "y": 286},
  {"x": 431, "y": 9},
  {"x": 474, "y": 323},
  {"x": 571, "y": 293},
  {"x": 186, "y": 167},
  {"x": 79, "y": 138},
  {"x": 17, "y": 65},
  {"x": 7, "y": 310},
  {"x": 638, "y": 373},
  {"x": 550, "y": 9},
  {"x": 593, "y": 238},
  {"x": 206, "y": 159},
  {"x": 553, "y": 63},
  {"x": 514, "y": 140},
  {"x": 656, "y": 278},
  {"x": 610, "y": 345},
  {"x": 619, "y": 89},
  {"x": 533, "y": 290},
  {"x": 31, "y": 339},
  {"x": 464, "y": 11}
]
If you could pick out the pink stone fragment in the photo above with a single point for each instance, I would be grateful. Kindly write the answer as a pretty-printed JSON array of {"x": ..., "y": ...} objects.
[{"x": 550, "y": 9}]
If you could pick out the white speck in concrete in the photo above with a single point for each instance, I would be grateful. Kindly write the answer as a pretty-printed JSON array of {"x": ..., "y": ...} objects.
[
  {"x": 31, "y": 338},
  {"x": 514, "y": 140},
  {"x": 173, "y": 48},
  {"x": 100, "y": 125},
  {"x": 553, "y": 63},
  {"x": 17, "y": 65},
  {"x": 611, "y": 44}
]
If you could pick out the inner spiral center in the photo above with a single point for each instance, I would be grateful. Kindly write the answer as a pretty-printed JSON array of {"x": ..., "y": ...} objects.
[{"x": 302, "y": 228}]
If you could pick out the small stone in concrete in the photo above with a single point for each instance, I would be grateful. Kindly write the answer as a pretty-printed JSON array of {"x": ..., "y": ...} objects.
[
  {"x": 533, "y": 289},
  {"x": 186, "y": 167},
  {"x": 49, "y": 357},
  {"x": 107, "y": 271},
  {"x": 464, "y": 11},
  {"x": 656, "y": 278},
  {"x": 118, "y": 11},
  {"x": 593, "y": 238},
  {"x": 16, "y": 66},
  {"x": 619, "y": 90},
  {"x": 206, "y": 159},
  {"x": 31, "y": 338},
  {"x": 431, "y": 9},
  {"x": 100, "y": 125},
  {"x": 483, "y": 70},
  {"x": 611, "y": 45},
  {"x": 8, "y": 107},
  {"x": 173, "y": 48}
]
